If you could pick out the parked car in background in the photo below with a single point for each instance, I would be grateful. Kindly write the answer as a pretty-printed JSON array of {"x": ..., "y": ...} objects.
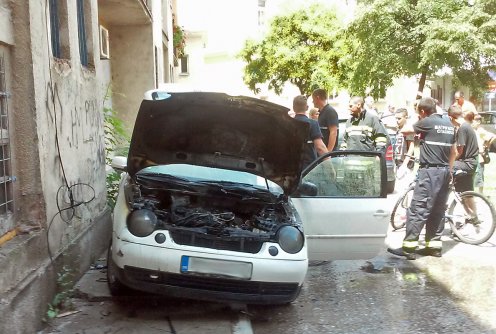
[
  {"x": 213, "y": 205},
  {"x": 488, "y": 120},
  {"x": 389, "y": 153}
]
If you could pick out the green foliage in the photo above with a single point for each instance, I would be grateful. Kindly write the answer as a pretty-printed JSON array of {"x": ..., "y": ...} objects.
[
  {"x": 116, "y": 143},
  {"x": 311, "y": 47},
  {"x": 420, "y": 37},
  {"x": 178, "y": 40},
  {"x": 112, "y": 181},
  {"x": 65, "y": 290},
  {"x": 302, "y": 47},
  {"x": 116, "y": 135}
]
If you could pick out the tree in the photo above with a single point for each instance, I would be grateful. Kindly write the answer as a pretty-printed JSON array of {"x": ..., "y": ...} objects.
[
  {"x": 420, "y": 37},
  {"x": 303, "y": 47}
]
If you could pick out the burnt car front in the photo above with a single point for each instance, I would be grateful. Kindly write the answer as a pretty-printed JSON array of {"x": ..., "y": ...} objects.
[{"x": 203, "y": 208}]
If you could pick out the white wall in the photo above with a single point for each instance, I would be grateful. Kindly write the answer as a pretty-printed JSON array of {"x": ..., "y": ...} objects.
[{"x": 69, "y": 103}]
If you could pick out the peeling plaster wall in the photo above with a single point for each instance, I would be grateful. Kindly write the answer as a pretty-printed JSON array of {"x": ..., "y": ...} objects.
[
  {"x": 56, "y": 120},
  {"x": 69, "y": 104}
]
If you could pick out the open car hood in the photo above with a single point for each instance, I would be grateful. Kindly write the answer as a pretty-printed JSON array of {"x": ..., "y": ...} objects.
[{"x": 218, "y": 130}]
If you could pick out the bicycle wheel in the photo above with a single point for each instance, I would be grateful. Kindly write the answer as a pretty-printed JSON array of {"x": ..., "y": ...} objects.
[
  {"x": 474, "y": 228},
  {"x": 398, "y": 216}
]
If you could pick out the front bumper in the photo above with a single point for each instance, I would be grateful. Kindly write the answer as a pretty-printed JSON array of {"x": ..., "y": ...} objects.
[{"x": 157, "y": 270}]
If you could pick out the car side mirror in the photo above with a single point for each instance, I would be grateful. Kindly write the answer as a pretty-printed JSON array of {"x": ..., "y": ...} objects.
[
  {"x": 119, "y": 163},
  {"x": 307, "y": 189}
]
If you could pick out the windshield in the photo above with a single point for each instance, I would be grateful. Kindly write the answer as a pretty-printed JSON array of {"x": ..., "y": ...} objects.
[{"x": 209, "y": 174}]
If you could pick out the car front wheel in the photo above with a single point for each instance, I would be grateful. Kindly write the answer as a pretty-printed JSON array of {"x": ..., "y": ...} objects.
[{"x": 115, "y": 286}]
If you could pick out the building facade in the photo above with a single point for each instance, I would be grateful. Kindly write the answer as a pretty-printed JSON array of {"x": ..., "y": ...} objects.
[{"x": 60, "y": 62}]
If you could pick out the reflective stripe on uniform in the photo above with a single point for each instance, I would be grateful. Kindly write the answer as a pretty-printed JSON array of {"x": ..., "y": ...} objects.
[
  {"x": 410, "y": 244},
  {"x": 381, "y": 139},
  {"x": 437, "y": 244},
  {"x": 359, "y": 128},
  {"x": 356, "y": 133},
  {"x": 437, "y": 143}
]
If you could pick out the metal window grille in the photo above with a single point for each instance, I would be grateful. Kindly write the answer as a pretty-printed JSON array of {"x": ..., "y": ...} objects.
[
  {"x": 6, "y": 198},
  {"x": 83, "y": 48}
]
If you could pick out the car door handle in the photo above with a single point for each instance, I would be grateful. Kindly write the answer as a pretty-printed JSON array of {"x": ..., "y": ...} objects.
[{"x": 381, "y": 213}]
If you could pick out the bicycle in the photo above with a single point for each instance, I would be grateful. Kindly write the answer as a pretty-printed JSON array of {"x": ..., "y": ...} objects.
[{"x": 470, "y": 228}]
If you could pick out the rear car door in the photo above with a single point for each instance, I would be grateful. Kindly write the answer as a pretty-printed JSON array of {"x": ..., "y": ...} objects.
[{"x": 342, "y": 204}]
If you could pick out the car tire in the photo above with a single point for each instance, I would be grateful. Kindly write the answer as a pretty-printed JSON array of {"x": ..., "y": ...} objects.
[
  {"x": 115, "y": 286},
  {"x": 390, "y": 186}
]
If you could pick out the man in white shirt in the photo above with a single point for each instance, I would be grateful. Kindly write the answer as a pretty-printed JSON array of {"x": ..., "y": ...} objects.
[{"x": 464, "y": 104}]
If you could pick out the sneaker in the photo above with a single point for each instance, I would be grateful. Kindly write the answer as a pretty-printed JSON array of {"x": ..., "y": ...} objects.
[
  {"x": 474, "y": 221},
  {"x": 402, "y": 252},
  {"x": 429, "y": 252}
]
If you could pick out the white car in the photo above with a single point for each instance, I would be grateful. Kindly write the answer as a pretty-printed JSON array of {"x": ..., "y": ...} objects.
[{"x": 213, "y": 205}]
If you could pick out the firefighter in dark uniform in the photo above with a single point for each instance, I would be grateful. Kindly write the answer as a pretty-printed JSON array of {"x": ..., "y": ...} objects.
[
  {"x": 364, "y": 131},
  {"x": 437, "y": 155}
]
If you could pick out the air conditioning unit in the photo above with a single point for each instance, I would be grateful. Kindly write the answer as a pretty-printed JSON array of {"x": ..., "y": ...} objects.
[{"x": 104, "y": 43}]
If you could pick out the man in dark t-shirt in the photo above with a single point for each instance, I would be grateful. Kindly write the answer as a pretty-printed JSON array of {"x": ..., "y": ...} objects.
[
  {"x": 467, "y": 149},
  {"x": 437, "y": 156},
  {"x": 314, "y": 145},
  {"x": 328, "y": 119}
]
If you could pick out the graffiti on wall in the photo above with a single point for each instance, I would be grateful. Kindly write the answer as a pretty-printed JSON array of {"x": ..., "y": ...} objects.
[
  {"x": 74, "y": 148},
  {"x": 86, "y": 128},
  {"x": 78, "y": 128}
]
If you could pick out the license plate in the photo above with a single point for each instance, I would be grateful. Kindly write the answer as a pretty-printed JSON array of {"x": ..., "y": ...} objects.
[{"x": 200, "y": 265}]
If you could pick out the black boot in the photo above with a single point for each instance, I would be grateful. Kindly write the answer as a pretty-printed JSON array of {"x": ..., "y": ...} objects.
[
  {"x": 430, "y": 252},
  {"x": 405, "y": 252}
]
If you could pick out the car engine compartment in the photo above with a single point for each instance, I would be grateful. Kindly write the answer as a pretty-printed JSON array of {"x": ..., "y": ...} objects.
[{"x": 210, "y": 210}]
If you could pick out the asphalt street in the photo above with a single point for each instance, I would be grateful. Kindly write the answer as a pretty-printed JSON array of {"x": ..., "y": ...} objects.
[{"x": 386, "y": 294}]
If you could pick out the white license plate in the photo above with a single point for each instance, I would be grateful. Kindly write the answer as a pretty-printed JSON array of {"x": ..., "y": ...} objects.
[{"x": 190, "y": 264}]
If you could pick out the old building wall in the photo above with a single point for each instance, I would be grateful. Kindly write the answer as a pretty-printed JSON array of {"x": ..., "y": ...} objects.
[
  {"x": 132, "y": 64},
  {"x": 29, "y": 204},
  {"x": 57, "y": 142},
  {"x": 57, "y": 139},
  {"x": 69, "y": 104}
]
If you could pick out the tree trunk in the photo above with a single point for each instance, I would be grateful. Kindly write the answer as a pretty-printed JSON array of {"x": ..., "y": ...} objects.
[{"x": 421, "y": 85}]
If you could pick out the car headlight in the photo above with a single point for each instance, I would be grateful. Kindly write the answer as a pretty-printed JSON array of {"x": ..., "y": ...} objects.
[
  {"x": 142, "y": 223},
  {"x": 290, "y": 239}
]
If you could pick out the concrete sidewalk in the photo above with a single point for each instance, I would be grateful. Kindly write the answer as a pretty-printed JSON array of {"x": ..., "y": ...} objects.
[
  {"x": 93, "y": 285},
  {"x": 96, "y": 311}
]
